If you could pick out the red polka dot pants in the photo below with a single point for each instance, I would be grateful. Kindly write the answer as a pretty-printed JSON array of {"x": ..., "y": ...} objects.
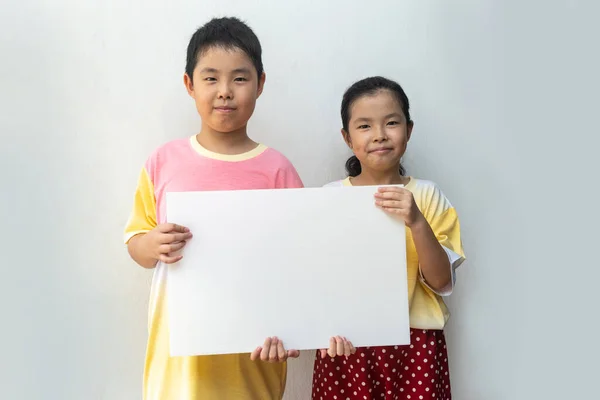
[{"x": 415, "y": 372}]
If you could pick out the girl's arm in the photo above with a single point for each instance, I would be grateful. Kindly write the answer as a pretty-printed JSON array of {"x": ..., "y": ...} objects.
[{"x": 433, "y": 260}]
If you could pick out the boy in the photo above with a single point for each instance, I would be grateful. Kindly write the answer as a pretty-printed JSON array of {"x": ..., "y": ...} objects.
[{"x": 224, "y": 75}]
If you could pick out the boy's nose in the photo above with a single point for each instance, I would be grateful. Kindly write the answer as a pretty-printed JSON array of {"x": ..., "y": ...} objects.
[{"x": 225, "y": 92}]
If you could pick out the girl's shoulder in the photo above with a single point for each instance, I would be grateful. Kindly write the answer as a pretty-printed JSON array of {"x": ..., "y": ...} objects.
[{"x": 339, "y": 183}]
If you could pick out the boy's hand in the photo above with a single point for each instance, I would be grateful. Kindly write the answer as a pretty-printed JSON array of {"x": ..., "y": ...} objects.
[
  {"x": 399, "y": 201},
  {"x": 338, "y": 346},
  {"x": 161, "y": 242},
  {"x": 273, "y": 351}
]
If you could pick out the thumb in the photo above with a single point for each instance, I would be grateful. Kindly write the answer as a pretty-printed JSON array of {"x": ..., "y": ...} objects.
[{"x": 293, "y": 353}]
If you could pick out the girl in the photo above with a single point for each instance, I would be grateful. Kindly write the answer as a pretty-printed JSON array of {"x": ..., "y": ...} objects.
[{"x": 377, "y": 127}]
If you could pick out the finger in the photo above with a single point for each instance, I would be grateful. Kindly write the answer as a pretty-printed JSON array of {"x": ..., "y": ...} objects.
[
  {"x": 332, "y": 347},
  {"x": 168, "y": 227},
  {"x": 346, "y": 347},
  {"x": 323, "y": 353},
  {"x": 273, "y": 350},
  {"x": 390, "y": 203},
  {"x": 281, "y": 353},
  {"x": 340, "y": 345},
  {"x": 389, "y": 189},
  {"x": 392, "y": 194},
  {"x": 171, "y": 248},
  {"x": 293, "y": 353},
  {"x": 256, "y": 354},
  {"x": 352, "y": 348},
  {"x": 264, "y": 354},
  {"x": 169, "y": 238},
  {"x": 168, "y": 259}
]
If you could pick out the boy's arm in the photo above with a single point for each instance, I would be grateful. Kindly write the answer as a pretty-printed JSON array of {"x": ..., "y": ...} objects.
[
  {"x": 159, "y": 244},
  {"x": 138, "y": 253},
  {"x": 147, "y": 242}
]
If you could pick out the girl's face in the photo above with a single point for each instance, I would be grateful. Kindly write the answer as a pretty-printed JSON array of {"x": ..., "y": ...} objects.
[{"x": 378, "y": 131}]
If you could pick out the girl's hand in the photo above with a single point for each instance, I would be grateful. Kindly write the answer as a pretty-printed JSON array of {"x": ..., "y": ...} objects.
[
  {"x": 273, "y": 351},
  {"x": 338, "y": 346},
  {"x": 399, "y": 201}
]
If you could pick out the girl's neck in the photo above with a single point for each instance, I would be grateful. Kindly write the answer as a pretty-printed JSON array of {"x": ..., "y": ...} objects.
[
  {"x": 229, "y": 143},
  {"x": 377, "y": 178}
]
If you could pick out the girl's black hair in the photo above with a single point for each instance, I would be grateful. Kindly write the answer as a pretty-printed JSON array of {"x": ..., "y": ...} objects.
[{"x": 369, "y": 87}]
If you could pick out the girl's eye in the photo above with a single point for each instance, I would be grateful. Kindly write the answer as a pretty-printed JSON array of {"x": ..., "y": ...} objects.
[{"x": 393, "y": 123}]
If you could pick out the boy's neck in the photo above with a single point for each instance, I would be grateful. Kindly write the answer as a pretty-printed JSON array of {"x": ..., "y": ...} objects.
[
  {"x": 229, "y": 143},
  {"x": 378, "y": 178}
]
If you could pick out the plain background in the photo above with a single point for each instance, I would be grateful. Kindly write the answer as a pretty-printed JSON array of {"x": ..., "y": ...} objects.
[{"x": 505, "y": 99}]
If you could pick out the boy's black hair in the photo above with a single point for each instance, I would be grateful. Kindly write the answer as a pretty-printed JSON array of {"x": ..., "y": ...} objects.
[
  {"x": 369, "y": 87},
  {"x": 228, "y": 33}
]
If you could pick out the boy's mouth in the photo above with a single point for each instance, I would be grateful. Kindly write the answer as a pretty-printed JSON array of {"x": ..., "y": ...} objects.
[{"x": 224, "y": 109}]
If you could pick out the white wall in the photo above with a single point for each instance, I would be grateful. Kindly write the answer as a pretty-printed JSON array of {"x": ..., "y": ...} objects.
[{"x": 504, "y": 95}]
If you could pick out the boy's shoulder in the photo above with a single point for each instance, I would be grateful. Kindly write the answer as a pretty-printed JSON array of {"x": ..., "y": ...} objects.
[{"x": 275, "y": 158}]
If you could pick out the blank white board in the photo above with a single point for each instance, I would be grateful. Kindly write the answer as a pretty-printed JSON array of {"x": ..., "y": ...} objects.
[{"x": 299, "y": 264}]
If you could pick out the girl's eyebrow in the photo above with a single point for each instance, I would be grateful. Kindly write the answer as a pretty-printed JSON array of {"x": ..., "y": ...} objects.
[{"x": 209, "y": 70}]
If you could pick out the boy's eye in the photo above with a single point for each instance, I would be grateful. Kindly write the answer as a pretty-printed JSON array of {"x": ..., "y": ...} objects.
[
  {"x": 240, "y": 79},
  {"x": 362, "y": 127},
  {"x": 210, "y": 79}
]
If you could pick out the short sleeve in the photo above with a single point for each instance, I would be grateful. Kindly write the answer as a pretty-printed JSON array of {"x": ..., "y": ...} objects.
[
  {"x": 288, "y": 178},
  {"x": 443, "y": 219},
  {"x": 143, "y": 214}
]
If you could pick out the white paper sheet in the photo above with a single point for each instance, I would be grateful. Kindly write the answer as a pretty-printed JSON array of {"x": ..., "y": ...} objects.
[{"x": 300, "y": 264}]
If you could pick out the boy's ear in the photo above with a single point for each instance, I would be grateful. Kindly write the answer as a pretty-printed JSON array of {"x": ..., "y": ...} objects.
[
  {"x": 346, "y": 137},
  {"x": 189, "y": 84},
  {"x": 261, "y": 84}
]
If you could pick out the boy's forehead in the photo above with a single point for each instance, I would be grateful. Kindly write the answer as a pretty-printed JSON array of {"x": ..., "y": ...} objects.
[{"x": 223, "y": 59}]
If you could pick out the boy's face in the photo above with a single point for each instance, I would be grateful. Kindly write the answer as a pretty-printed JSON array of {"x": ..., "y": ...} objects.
[{"x": 225, "y": 87}]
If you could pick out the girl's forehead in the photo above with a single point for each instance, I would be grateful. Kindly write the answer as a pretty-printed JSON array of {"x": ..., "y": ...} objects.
[{"x": 382, "y": 102}]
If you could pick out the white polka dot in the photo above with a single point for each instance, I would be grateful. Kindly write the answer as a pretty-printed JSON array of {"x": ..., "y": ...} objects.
[
  {"x": 426, "y": 375},
  {"x": 364, "y": 384},
  {"x": 386, "y": 365},
  {"x": 383, "y": 350},
  {"x": 427, "y": 389},
  {"x": 391, "y": 356},
  {"x": 394, "y": 370},
  {"x": 414, "y": 390},
  {"x": 419, "y": 368},
  {"x": 362, "y": 369},
  {"x": 408, "y": 382},
  {"x": 331, "y": 374},
  {"x": 395, "y": 347},
  {"x": 418, "y": 339},
  {"x": 362, "y": 354},
  {"x": 337, "y": 383},
  {"x": 389, "y": 379},
  {"x": 420, "y": 383},
  {"x": 412, "y": 360},
  {"x": 425, "y": 361}
]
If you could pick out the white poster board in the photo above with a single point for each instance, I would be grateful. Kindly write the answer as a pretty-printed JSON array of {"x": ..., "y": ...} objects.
[{"x": 244, "y": 275}]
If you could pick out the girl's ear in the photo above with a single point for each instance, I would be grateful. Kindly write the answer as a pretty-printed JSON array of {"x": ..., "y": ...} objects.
[
  {"x": 261, "y": 84},
  {"x": 409, "y": 128},
  {"x": 346, "y": 137}
]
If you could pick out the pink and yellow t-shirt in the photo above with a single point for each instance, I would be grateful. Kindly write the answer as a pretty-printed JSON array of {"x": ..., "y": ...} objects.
[{"x": 184, "y": 165}]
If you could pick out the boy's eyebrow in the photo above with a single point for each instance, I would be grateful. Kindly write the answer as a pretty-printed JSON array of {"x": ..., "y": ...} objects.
[
  {"x": 242, "y": 70},
  {"x": 208, "y": 70}
]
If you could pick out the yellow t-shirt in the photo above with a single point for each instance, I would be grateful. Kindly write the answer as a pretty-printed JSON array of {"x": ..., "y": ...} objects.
[
  {"x": 183, "y": 165},
  {"x": 427, "y": 308}
]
